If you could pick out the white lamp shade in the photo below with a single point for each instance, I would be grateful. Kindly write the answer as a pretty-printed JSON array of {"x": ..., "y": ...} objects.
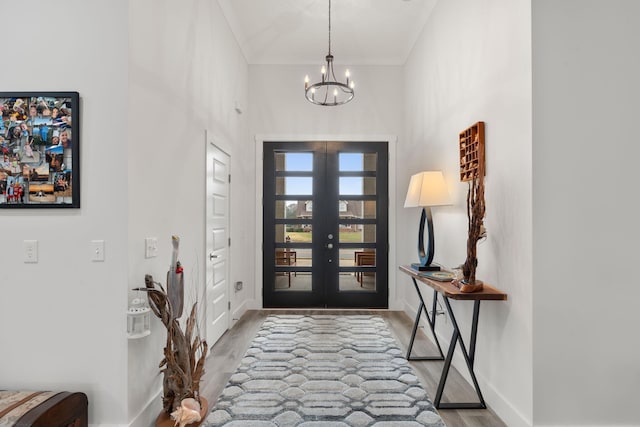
[{"x": 427, "y": 189}]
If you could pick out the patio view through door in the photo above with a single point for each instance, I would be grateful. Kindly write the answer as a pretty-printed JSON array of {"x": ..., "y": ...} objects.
[{"x": 325, "y": 224}]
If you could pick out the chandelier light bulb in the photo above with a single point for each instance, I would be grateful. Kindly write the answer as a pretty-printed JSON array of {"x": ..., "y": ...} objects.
[
  {"x": 324, "y": 70},
  {"x": 352, "y": 84}
]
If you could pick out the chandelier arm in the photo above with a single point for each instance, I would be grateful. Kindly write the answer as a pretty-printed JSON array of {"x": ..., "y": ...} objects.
[{"x": 333, "y": 73}]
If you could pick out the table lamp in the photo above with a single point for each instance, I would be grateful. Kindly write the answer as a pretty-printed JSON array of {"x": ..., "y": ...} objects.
[{"x": 426, "y": 189}]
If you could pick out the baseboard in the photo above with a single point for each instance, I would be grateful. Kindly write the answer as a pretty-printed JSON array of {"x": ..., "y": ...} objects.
[
  {"x": 494, "y": 399},
  {"x": 147, "y": 417},
  {"x": 237, "y": 313}
]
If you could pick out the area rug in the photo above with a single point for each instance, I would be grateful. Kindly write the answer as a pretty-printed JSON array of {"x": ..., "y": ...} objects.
[{"x": 323, "y": 371}]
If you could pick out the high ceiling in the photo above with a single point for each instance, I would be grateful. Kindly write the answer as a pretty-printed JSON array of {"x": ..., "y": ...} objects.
[{"x": 363, "y": 32}]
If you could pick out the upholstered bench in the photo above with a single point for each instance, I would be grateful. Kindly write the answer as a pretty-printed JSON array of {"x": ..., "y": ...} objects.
[{"x": 43, "y": 409}]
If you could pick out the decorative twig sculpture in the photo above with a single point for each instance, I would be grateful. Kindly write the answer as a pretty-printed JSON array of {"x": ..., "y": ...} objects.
[
  {"x": 475, "y": 215},
  {"x": 184, "y": 351},
  {"x": 472, "y": 170}
]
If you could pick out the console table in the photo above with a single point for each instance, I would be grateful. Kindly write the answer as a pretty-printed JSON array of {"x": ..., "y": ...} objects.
[{"x": 449, "y": 291}]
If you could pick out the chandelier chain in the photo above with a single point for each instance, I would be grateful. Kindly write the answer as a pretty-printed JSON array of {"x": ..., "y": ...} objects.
[{"x": 329, "y": 27}]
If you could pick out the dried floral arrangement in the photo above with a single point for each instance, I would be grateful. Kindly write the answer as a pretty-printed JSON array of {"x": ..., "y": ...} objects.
[{"x": 184, "y": 351}]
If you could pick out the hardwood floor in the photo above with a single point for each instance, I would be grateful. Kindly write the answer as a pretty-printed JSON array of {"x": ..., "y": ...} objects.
[{"x": 228, "y": 351}]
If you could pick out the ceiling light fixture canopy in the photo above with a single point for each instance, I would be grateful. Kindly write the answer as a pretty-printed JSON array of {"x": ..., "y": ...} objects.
[{"x": 329, "y": 92}]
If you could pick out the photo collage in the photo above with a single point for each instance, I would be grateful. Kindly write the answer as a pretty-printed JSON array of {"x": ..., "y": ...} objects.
[{"x": 36, "y": 150}]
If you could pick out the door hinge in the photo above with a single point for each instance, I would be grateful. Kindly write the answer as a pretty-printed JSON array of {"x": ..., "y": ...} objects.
[
  {"x": 229, "y": 305},
  {"x": 229, "y": 241},
  {"x": 229, "y": 178}
]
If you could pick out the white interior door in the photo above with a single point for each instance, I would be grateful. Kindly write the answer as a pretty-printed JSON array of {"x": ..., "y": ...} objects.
[{"x": 217, "y": 241}]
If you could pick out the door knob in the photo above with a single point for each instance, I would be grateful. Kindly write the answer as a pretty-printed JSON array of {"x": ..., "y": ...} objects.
[
  {"x": 330, "y": 246},
  {"x": 212, "y": 256}
]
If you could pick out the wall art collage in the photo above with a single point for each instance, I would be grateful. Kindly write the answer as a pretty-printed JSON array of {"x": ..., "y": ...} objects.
[{"x": 39, "y": 150}]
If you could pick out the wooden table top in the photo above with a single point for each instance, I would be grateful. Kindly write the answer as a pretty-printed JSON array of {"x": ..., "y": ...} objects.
[{"x": 450, "y": 291}]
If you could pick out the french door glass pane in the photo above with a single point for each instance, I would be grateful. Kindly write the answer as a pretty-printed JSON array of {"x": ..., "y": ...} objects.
[
  {"x": 361, "y": 281},
  {"x": 357, "y": 185},
  {"x": 292, "y": 185},
  {"x": 357, "y": 209},
  {"x": 357, "y": 233},
  {"x": 357, "y": 162},
  {"x": 297, "y": 233},
  {"x": 291, "y": 209},
  {"x": 294, "y": 162},
  {"x": 293, "y": 282},
  {"x": 364, "y": 278}
]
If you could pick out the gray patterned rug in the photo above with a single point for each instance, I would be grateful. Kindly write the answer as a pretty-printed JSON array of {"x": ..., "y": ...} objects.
[{"x": 324, "y": 371}]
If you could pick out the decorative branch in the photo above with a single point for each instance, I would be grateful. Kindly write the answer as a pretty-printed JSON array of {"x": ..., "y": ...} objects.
[
  {"x": 472, "y": 170},
  {"x": 184, "y": 354},
  {"x": 476, "y": 231}
]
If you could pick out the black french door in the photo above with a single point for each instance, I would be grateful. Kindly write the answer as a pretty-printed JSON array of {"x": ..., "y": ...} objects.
[{"x": 325, "y": 224}]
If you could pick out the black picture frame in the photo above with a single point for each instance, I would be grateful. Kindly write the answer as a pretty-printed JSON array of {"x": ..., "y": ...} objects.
[{"x": 39, "y": 150}]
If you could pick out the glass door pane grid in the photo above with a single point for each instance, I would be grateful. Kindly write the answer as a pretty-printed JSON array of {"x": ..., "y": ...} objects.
[
  {"x": 279, "y": 269},
  {"x": 297, "y": 245},
  {"x": 358, "y": 245},
  {"x": 292, "y": 221},
  {"x": 369, "y": 174},
  {"x": 296, "y": 197},
  {"x": 356, "y": 197},
  {"x": 279, "y": 174},
  {"x": 358, "y": 221}
]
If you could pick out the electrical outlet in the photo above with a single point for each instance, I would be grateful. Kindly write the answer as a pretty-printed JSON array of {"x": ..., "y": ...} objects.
[
  {"x": 238, "y": 286},
  {"x": 97, "y": 250},
  {"x": 151, "y": 247},
  {"x": 30, "y": 251}
]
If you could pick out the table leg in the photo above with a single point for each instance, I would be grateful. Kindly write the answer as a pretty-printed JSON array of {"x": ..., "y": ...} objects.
[
  {"x": 469, "y": 357},
  {"x": 432, "y": 326}
]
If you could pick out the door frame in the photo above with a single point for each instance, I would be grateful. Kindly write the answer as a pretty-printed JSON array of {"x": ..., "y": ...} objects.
[{"x": 393, "y": 301}]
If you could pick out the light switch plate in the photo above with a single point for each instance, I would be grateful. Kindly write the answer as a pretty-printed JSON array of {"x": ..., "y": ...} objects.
[
  {"x": 151, "y": 247},
  {"x": 30, "y": 251},
  {"x": 97, "y": 250}
]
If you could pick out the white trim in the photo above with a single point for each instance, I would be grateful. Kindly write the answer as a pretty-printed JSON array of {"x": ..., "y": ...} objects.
[
  {"x": 238, "y": 312},
  {"x": 392, "y": 140},
  {"x": 148, "y": 414}
]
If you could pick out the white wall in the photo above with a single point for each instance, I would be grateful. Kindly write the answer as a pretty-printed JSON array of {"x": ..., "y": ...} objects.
[
  {"x": 62, "y": 323},
  {"x": 585, "y": 197},
  {"x": 472, "y": 63},
  {"x": 278, "y": 108},
  {"x": 186, "y": 75}
]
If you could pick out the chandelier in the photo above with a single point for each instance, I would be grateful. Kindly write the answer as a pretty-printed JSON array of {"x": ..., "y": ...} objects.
[{"x": 329, "y": 91}]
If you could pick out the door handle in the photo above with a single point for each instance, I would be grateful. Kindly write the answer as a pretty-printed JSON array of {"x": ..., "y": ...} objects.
[
  {"x": 212, "y": 256},
  {"x": 330, "y": 246}
]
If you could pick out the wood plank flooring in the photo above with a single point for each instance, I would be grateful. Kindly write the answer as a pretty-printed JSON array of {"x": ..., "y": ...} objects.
[{"x": 226, "y": 354}]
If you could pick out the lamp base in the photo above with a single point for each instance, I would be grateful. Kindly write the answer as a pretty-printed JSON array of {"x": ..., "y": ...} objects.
[{"x": 421, "y": 267}]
